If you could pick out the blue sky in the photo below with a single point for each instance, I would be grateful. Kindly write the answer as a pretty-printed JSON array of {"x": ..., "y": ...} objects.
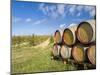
[{"x": 45, "y": 18}]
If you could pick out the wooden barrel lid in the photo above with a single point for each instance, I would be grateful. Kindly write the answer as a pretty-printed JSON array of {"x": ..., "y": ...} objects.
[
  {"x": 57, "y": 37},
  {"x": 68, "y": 37},
  {"x": 84, "y": 32},
  {"x": 91, "y": 54},
  {"x": 78, "y": 53},
  {"x": 55, "y": 50},
  {"x": 65, "y": 52}
]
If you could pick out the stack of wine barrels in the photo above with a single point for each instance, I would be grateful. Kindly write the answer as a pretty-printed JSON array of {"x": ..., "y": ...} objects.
[{"x": 77, "y": 42}]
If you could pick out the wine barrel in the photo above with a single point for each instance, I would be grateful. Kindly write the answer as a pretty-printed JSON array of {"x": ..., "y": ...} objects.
[
  {"x": 65, "y": 52},
  {"x": 56, "y": 50},
  {"x": 78, "y": 53},
  {"x": 69, "y": 36},
  {"x": 58, "y": 37},
  {"x": 91, "y": 51},
  {"x": 86, "y": 31}
]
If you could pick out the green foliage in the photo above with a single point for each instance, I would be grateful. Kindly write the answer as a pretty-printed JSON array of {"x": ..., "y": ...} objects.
[
  {"x": 30, "y": 59},
  {"x": 16, "y": 40},
  {"x": 51, "y": 39},
  {"x": 31, "y": 40}
]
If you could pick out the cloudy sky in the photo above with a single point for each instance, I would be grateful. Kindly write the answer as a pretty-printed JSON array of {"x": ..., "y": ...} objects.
[{"x": 45, "y": 18}]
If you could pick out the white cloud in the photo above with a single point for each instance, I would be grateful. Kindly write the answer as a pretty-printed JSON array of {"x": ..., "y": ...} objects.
[
  {"x": 62, "y": 26},
  {"x": 18, "y": 19},
  {"x": 28, "y": 20},
  {"x": 88, "y": 8},
  {"x": 53, "y": 11},
  {"x": 54, "y": 15},
  {"x": 91, "y": 10},
  {"x": 78, "y": 14},
  {"x": 72, "y": 24},
  {"x": 61, "y": 10},
  {"x": 72, "y": 9},
  {"x": 43, "y": 8},
  {"x": 80, "y": 8},
  {"x": 39, "y": 21}
]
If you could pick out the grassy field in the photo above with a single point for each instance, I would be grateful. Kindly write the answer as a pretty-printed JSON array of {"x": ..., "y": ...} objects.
[{"x": 28, "y": 59}]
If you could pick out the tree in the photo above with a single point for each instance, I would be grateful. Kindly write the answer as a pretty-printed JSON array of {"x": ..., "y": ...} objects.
[{"x": 32, "y": 40}]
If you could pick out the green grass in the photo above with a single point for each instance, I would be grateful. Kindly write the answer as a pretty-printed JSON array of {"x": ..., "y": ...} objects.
[{"x": 28, "y": 59}]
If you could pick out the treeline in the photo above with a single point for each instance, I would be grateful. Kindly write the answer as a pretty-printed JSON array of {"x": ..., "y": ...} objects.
[{"x": 31, "y": 40}]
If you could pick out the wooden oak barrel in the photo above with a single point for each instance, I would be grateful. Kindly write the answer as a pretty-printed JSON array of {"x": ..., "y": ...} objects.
[
  {"x": 78, "y": 53},
  {"x": 91, "y": 54},
  {"x": 65, "y": 52},
  {"x": 86, "y": 31},
  {"x": 69, "y": 36},
  {"x": 58, "y": 37},
  {"x": 56, "y": 50}
]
